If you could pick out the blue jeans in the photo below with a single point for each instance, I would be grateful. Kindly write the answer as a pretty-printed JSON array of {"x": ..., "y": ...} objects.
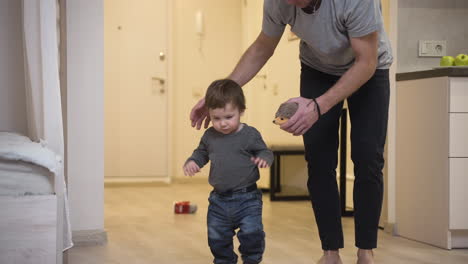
[{"x": 226, "y": 213}]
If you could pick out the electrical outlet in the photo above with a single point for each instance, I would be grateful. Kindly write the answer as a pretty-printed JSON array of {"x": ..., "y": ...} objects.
[{"x": 432, "y": 48}]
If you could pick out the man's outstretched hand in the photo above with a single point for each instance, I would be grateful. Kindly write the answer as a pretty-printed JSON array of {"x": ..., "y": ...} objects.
[{"x": 199, "y": 113}]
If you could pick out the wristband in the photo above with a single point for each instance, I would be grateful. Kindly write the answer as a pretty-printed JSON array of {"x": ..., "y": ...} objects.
[{"x": 318, "y": 108}]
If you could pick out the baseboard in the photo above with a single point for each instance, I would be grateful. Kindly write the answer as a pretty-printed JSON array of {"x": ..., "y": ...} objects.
[
  {"x": 151, "y": 182},
  {"x": 135, "y": 184},
  {"x": 114, "y": 180},
  {"x": 190, "y": 180},
  {"x": 390, "y": 228},
  {"x": 459, "y": 239},
  {"x": 89, "y": 237},
  {"x": 349, "y": 177}
]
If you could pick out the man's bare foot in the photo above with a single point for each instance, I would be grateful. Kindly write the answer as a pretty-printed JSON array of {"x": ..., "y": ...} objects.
[
  {"x": 330, "y": 257},
  {"x": 365, "y": 256}
]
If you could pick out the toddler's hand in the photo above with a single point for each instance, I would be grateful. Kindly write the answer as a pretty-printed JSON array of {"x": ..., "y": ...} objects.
[
  {"x": 190, "y": 168},
  {"x": 261, "y": 163}
]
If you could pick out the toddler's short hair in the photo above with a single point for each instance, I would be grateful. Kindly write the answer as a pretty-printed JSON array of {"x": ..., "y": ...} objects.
[{"x": 222, "y": 92}]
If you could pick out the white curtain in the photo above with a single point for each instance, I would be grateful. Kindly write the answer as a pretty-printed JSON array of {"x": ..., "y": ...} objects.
[
  {"x": 44, "y": 110},
  {"x": 42, "y": 75}
]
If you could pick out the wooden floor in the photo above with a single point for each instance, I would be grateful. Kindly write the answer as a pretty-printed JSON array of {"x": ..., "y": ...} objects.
[{"x": 142, "y": 228}]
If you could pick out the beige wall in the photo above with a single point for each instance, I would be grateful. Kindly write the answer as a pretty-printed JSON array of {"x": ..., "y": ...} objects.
[
  {"x": 275, "y": 83},
  {"x": 196, "y": 62},
  {"x": 386, "y": 14}
]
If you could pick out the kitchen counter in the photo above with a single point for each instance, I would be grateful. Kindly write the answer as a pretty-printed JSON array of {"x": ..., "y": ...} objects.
[{"x": 439, "y": 72}]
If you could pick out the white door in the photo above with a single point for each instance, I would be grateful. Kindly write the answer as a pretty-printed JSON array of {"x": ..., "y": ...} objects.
[{"x": 135, "y": 71}]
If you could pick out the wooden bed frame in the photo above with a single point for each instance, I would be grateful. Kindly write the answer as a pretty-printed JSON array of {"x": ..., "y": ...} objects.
[
  {"x": 29, "y": 229},
  {"x": 32, "y": 228}
]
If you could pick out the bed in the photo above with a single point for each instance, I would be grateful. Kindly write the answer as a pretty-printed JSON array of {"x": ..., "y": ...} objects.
[{"x": 34, "y": 222}]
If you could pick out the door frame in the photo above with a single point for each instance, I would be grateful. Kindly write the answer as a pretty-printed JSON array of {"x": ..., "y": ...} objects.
[
  {"x": 170, "y": 90},
  {"x": 389, "y": 220}
]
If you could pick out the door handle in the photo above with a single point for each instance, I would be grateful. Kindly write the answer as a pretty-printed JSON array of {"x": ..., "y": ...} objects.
[
  {"x": 161, "y": 81},
  {"x": 162, "y": 56}
]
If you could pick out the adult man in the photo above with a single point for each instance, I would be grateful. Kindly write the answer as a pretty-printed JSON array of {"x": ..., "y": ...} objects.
[{"x": 344, "y": 54}]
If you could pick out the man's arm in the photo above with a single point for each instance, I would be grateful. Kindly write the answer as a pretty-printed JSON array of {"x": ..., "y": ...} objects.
[
  {"x": 254, "y": 58},
  {"x": 365, "y": 50}
]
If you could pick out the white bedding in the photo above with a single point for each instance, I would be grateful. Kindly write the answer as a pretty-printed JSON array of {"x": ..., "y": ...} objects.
[
  {"x": 17, "y": 147},
  {"x": 18, "y": 178}
]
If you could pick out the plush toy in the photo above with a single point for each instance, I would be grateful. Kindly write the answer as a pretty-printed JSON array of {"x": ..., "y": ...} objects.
[{"x": 285, "y": 111}]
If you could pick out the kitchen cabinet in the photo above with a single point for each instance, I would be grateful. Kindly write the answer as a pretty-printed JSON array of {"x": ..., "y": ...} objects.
[{"x": 432, "y": 157}]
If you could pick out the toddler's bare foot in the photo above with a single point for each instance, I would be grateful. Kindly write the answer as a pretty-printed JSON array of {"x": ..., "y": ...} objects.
[
  {"x": 330, "y": 257},
  {"x": 365, "y": 256}
]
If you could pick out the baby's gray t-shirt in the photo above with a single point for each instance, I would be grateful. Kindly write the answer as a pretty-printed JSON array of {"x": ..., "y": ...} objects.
[
  {"x": 230, "y": 155},
  {"x": 325, "y": 35}
]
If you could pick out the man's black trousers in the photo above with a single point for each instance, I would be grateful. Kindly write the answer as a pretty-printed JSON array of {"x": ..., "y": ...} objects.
[{"x": 368, "y": 110}]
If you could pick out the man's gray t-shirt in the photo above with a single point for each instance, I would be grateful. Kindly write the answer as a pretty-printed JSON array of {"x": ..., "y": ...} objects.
[
  {"x": 325, "y": 35},
  {"x": 230, "y": 155}
]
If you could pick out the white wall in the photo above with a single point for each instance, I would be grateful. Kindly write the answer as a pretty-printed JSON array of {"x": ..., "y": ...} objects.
[
  {"x": 85, "y": 86},
  {"x": 12, "y": 91},
  {"x": 275, "y": 83},
  {"x": 196, "y": 63},
  {"x": 430, "y": 20}
]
